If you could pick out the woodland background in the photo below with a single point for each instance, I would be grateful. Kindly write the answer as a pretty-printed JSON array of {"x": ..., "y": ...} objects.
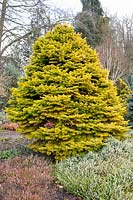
[{"x": 22, "y": 22}]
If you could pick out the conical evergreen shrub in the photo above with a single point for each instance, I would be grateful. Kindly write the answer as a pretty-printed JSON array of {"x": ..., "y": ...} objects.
[
  {"x": 129, "y": 115},
  {"x": 123, "y": 90},
  {"x": 66, "y": 103},
  {"x": 130, "y": 111}
]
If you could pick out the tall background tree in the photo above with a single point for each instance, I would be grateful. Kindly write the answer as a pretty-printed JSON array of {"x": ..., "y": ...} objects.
[
  {"x": 112, "y": 53},
  {"x": 22, "y": 20},
  {"x": 13, "y": 24},
  {"x": 90, "y": 20},
  {"x": 115, "y": 51}
]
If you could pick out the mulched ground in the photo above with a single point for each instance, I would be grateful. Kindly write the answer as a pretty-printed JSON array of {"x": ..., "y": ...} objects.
[{"x": 27, "y": 177}]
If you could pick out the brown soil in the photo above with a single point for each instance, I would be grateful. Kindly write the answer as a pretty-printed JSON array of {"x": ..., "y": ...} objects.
[{"x": 27, "y": 177}]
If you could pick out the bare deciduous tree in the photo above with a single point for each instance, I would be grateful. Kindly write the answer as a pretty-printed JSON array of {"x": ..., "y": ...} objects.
[
  {"x": 13, "y": 23},
  {"x": 112, "y": 51},
  {"x": 23, "y": 21},
  {"x": 113, "y": 59}
]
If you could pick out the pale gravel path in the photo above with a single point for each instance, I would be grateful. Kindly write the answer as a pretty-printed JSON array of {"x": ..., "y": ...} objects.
[
  {"x": 11, "y": 139},
  {"x": 10, "y": 134}
]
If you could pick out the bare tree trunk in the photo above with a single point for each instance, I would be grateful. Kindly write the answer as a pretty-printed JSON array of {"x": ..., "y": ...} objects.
[{"x": 2, "y": 19}]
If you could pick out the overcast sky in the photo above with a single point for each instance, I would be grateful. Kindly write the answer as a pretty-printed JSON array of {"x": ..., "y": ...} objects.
[{"x": 121, "y": 7}]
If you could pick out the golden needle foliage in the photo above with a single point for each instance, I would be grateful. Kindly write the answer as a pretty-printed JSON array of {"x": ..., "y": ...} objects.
[{"x": 66, "y": 102}]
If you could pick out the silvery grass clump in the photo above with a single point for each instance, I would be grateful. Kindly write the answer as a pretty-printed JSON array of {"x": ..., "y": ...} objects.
[
  {"x": 3, "y": 117},
  {"x": 103, "y": 175}
]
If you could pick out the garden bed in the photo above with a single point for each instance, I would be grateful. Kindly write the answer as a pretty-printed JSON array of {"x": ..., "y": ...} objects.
[{"x": 25, "y": 175}]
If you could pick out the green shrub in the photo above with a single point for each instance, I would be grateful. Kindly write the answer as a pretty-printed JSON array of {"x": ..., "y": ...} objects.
[
  {"x": 130, "y": 111},
  {"x": 9, "y": 153},
  {"x": 123, "y": 91},
  {"x": 9, "y": 126},
  {"x": 66, "y": 103},
  {"x": 104, "y": 175},
  {"x": 3, "y": 118}
]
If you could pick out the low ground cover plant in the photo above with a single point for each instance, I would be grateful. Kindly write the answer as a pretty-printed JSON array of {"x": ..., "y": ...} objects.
[
  {"x": 24, "y": 178},
  {"x": 105, "y": 175},
  {"x": 9, "y": 153},
  {"x": 29, "y": 178},
  {"x": 10, "y": 126}
]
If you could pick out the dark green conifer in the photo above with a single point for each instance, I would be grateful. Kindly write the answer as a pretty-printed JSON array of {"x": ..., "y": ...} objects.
[{"x": 90, "y": 22}]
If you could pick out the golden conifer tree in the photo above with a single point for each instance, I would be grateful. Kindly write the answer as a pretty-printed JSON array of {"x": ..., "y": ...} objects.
[{"x": 66, "y": 103}]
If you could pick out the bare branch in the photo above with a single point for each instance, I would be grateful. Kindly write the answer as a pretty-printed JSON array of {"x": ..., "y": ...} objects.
[
  {"x": 15, "y": 40},
  {"x": 23, "y": 5}
]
